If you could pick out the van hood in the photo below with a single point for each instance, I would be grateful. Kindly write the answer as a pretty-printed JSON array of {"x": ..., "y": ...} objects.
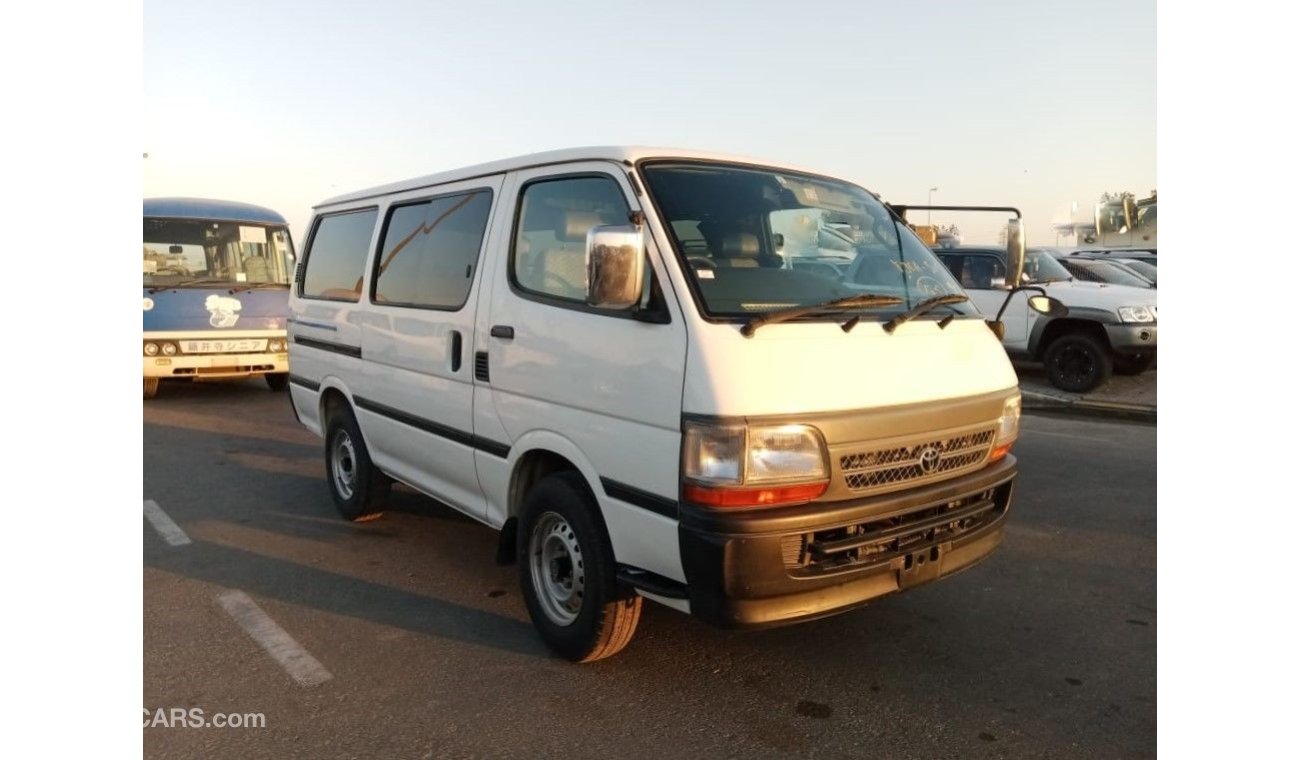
[
  {"x": 215, "y": 308},
  {"x": 807, "y": 367},
  {"x": 1097, "y": 295}
]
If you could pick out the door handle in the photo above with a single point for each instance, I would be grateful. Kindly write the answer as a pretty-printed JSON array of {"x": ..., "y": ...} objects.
[
  {"x": 455, "y": 350},
  {"x": 503, "y": 331}
]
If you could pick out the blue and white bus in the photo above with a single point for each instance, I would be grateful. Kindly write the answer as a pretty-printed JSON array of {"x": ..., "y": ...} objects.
[{"x": 216, "y": 291}]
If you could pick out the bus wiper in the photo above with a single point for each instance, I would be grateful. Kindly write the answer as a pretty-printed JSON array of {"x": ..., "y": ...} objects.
[
  {"x": 860, "y": 301},
  {"x": 923, "y": 307},
  {"x": 197, "y": 282},
  {"x": 241, "y": 287}
]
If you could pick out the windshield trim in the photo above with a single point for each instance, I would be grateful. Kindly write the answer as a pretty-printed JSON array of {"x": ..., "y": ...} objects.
[{"x": 642, "y": 187}]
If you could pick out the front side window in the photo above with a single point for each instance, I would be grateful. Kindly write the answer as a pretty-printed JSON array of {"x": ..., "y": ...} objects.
[
  {"x": 549, "y": 257},
  {"x": 198, "y": 251},
  {"x": 429, "y": 251},
  {"x": 1040, "y": 266},
  {"x": 758, "y": 240},
  {"x": 336, "y": 256}
]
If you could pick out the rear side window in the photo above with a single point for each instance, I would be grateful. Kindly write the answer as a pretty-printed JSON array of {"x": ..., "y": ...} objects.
[
  {"x": 975, "y": 272},
  {"x": 550, "y": 248},
  {"x": 429, "y": 251},
  {"x": 336, "y": 257}
]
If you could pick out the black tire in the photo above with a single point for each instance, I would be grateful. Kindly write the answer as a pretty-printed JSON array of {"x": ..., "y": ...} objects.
[
  {"x": 1134, "y": 364},
  {"x": 151, "y": 386},
  {"x": 361, "y": 496},
  {"x": 1077, "y": 362},
  {"x": 277, "y": 381},
  {"x": 605, "y": 615}
]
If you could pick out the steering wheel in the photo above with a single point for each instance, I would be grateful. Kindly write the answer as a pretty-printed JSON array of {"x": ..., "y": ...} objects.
[
  {"x": 699, "y": 262},
  {"x": 928, "y": 285}
]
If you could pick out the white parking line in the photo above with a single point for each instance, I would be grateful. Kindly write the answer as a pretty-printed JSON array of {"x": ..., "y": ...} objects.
[
  {"x": 295, "y": 660},
  {"x": 166, "y": 527}
]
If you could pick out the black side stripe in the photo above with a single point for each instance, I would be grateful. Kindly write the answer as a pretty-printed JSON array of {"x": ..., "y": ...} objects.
[
  {"x": 434, "y": 428},
  {"x": 325, "y": 345},
  {"x": 304, "y": 382},
  {"x": 638, "y": 498}
]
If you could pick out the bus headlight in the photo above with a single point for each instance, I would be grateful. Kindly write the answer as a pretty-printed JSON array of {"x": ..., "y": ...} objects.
[
  {"x": 1008, "y": 428},
  {"x": 150, "y": 349},
  {"x": 275, "y": 345},
  {"x": 737, "y": 466},
  {"x": 169, "y": 349}
]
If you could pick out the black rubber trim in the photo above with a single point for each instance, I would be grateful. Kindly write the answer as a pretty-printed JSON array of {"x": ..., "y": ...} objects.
[
  {"x": 304, "y": 382},
  {"x": 652, "y": 583},
  {"x": 434, "y": 428},
  {"x": 638, "y": 498},
  {"x": 325, "y": 345}
]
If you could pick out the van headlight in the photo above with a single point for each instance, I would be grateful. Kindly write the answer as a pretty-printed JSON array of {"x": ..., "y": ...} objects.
[
  {"x": 734, "y": 465},
  {"x": 1136, "y": 314},
  {"x": 1008, "y": 428}
]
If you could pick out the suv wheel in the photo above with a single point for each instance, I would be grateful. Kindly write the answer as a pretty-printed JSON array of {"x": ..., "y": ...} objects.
[
  {"x": 567, "y": 573},
  {"x": 1077, "y": 362}
]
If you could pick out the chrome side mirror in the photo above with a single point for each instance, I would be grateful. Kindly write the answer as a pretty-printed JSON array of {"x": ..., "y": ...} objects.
[
  {"x": 615, "y": 266},
  {"x": 1048, "y": 306},
  {"x": 1015, "y": 251}
]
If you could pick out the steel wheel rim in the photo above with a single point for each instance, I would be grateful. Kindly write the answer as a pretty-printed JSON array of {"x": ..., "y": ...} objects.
[
  {"x": 556, "y": 564},
  {"x": 343, "y": 464}
]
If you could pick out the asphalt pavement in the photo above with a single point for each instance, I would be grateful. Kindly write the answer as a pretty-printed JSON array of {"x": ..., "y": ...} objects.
[{"x": 424, "y": 648}]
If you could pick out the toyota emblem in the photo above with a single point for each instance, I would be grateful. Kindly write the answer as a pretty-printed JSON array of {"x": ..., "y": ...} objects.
[{"x": 929, "y": 459}]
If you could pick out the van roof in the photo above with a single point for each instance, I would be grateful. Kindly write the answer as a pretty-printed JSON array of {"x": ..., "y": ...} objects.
[
  {"x": 627, "y": 154},
  {"x": 208, "y": 209}
]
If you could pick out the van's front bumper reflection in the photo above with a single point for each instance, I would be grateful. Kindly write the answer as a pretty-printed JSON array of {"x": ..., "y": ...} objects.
[{"x": 777, "y": 566}]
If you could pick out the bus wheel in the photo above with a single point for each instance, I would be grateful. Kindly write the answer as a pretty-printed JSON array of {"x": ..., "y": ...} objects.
[
  {"x": 277, "y": 381},
  {"x": 567, "y": 571},
  {"x": 358, "y": 487},
  {"x": 151, "y": 387}
]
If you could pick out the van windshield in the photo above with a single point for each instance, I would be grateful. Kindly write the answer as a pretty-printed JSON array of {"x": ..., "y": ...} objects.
[
  {"x": 177, "y": 251},
  {"x": 755, "y": 240}
]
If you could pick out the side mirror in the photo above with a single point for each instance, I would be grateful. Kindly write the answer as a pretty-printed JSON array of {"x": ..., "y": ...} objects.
[
  {"x": 1048, "y": 306},
  {"x": 1015, "y": 250},
  {"x": 615, "y": 266}
]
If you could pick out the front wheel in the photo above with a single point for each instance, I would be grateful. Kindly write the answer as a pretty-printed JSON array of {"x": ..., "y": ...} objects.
[
  {"x": 151, "y": 386},
  {"x": 1077, "y": 362},
  {"x": 1134, "y": 364},
  {"x": 358, "y": 487},
  {"x": 568, "y": 575},
  {"x": 277, "y": 381}
]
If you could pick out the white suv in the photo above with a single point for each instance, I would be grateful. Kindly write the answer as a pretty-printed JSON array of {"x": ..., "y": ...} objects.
[{"x": 1109, "y": 328}]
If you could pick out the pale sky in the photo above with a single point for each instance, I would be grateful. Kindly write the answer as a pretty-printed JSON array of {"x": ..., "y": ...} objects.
[{"x": 1030, "y": 104}]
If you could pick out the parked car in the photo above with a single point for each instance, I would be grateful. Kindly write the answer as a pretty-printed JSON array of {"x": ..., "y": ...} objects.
[
  {"x": 602, "y": 354},
  {"x": 1141, "y": 263},
  {"x": 1109, "y": 328},
  {"x": 1113, "y": 272}
]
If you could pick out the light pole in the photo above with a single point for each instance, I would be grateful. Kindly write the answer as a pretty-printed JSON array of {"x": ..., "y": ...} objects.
[{"x": 929, "y": 201}]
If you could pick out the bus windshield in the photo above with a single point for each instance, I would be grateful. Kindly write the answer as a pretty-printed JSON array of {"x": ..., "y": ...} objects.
[
  {"x": 759, "y": 240},
  {"x": 177, "y": 251}
]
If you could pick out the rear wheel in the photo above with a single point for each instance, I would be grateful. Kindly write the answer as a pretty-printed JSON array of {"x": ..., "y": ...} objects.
[
  {"x": 568, "y": 575},
  {"x": 151, "y": 387},
  {"x": 1134, "y": 364},
  {"x": 277, "y": 381},
  {"x": 358, "y": 487},
  {"x": 1077, "y": 362}
]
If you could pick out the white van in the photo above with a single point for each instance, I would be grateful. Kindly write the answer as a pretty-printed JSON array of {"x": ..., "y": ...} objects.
[{"x": 601, "y": 354}]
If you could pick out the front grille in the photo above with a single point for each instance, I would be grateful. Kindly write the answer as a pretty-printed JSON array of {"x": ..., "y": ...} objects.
[
  {"x": 934, "y": 458},
  {"x": 893, "y": 538}
]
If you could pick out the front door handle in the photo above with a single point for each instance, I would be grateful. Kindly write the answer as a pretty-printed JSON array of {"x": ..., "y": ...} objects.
[{"x": 503, "y": 331}]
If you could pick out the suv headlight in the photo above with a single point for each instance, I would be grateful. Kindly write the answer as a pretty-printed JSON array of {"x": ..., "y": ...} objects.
[
  {"x": 734, "y": 465},
  {"x": 1008, "y": 428},
  {"x": 1137, "y": 314}
]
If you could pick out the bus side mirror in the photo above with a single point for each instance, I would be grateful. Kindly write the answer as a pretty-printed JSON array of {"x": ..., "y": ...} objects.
[{"x": 615, "y": 266}]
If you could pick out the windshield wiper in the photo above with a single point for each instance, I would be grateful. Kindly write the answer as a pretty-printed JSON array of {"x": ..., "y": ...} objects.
[
  {"x": 923, "y": 307},
  {"x": 241, "y": 287},
  {"x": 197, "y": 282},
  {"x": 860, "y": 301}
]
